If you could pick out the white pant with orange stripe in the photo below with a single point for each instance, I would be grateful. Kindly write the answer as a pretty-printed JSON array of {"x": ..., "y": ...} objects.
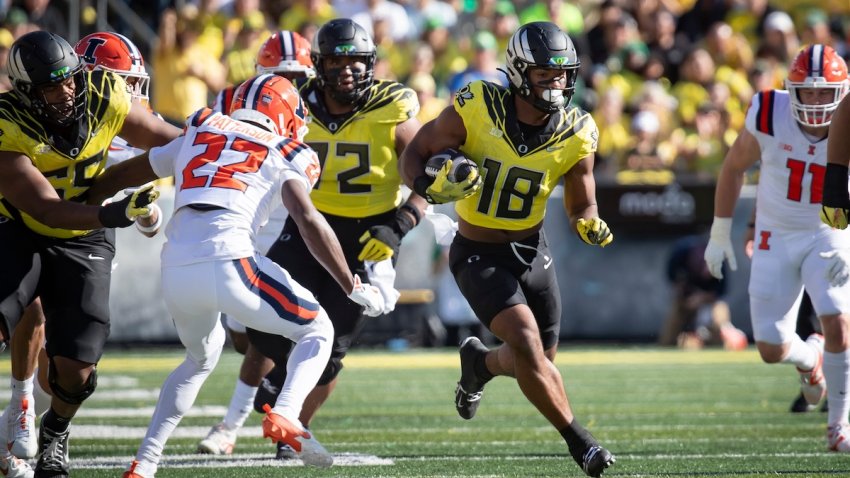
[{"x": 261, "y": 295}]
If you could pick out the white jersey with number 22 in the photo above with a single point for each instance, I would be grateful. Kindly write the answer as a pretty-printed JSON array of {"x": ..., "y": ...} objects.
[{"x": 235, "y": 171}]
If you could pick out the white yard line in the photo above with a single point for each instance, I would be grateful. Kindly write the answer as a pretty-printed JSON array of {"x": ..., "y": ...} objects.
[
  {"x": 233, "y": 461},
  {"x": 216, "y": 411}
]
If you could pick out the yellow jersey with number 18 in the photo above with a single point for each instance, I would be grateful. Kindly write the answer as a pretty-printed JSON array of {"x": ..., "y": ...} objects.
[
  {"x": 357, "y": 150},
  {"x": 70, "y": 164},
  {"x": 519, "y": 173}
]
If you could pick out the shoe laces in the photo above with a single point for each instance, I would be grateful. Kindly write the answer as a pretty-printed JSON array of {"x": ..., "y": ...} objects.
[
  {"x": 834, "y": 431},
  {"x": 54, "y": 453},
  {"x": 22, "y": 429},
  {"x": 589, "y": 455},
  {"x": 470, "y": 397},
  {"x": 221, "y": 432}
]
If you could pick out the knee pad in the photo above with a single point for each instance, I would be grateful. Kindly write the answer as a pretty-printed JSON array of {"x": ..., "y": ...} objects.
[
  {"x": 333, "y": 369},
  {"x": 72, "y": 398}
]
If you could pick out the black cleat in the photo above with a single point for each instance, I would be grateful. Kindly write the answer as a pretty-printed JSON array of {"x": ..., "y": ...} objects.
[
  {"x": 595, "y": 460},
  {"x": 285, "y": 452},
  {"x": 470, "y": 388},
  {"x": 269, "y": 388},
  {"x": 800, "y": 405},
  {"x": 53, "y": 454}
]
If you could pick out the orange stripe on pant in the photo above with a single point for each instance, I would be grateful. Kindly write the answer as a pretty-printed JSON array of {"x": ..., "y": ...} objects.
[{"x": 278, "y": 296}]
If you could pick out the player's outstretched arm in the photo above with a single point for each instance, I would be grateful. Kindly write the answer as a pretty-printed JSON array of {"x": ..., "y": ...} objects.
[
  {"x": 317, "y": 234},
  {"x": 145, "y": 130},
  {"x": 132, "y": 172},
  {"x": 324, "y": 245},
  {"x": 24, "y": 186}
]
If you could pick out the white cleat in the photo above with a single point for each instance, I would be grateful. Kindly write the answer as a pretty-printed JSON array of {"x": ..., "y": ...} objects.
[
  {"x": 219, "y": 441},
  {"x": 313, "y": 453},
  {"x": 23, "y": 439},
  {"x": 812, "y": 382},
  {"x": 308, "y": 449},
  {"x": 838, "y": 437},
  {"x": 13, "y": 467}
]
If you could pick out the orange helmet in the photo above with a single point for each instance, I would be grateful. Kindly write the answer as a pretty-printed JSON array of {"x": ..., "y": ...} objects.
[
  {"x": 115, "y": 52},
  {"x": 817, "y": 66},
  {"x": 286, "y": 53},
  {"x": 273, "y": 103}
]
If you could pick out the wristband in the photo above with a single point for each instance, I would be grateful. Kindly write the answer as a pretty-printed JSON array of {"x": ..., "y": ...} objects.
[
  {"x": 402, "y": 224},
  {"x": 153, "y": 227},
  {"x": 413, "y": 212}
]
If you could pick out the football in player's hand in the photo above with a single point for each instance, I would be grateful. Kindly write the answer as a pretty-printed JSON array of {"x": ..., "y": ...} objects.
[{"x": 461, "y": 165}]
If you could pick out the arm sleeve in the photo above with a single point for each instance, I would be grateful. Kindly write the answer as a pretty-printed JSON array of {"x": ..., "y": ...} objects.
[{"x": 162, "y": 157}]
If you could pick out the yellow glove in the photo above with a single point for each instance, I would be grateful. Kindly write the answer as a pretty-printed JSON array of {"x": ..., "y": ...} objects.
[
  {"x": 442, "y": 190},
  {"x": 140, "y": 201},
  {"x": 834, "y": 216},
  {"x": 124, "y": 212},
  {"x": 380, "y": 243},
  {"x": 594, "y": 231}
]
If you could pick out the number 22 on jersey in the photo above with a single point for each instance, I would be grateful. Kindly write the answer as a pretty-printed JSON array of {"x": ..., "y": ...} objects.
[{"x": 223, "y": 176}]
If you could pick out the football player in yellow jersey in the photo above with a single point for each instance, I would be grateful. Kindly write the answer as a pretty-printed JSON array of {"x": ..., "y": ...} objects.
[
  {"x": 100, "y": 50},
  {"x": 57, "y": 124},
  {"x": 358, "y": 127},
  {"x": 525, "y": 140}
]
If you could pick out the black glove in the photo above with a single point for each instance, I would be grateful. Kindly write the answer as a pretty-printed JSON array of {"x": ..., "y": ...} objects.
[
  {"x": 382, "y": 242},
  {"x": 123, "y": 213}
]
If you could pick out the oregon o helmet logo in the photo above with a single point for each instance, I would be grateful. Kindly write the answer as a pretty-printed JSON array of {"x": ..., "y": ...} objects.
[
  {"x": 61, "y": 73},
  {"x": 344, "y": 49}
]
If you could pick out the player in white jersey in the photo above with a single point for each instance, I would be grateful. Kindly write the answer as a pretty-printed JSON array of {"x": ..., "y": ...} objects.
[
  {"x": 787, "y": 131},
  {"x": 230, "y": 171},
  {"x": 285, "y": 54}
]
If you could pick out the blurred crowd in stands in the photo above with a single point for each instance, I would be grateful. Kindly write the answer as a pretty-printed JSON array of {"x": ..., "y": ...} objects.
[{"x": 668, "y": 81}]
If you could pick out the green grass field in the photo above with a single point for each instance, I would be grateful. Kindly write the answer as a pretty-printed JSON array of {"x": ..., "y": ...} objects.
[{"x": 661, "y": 412}]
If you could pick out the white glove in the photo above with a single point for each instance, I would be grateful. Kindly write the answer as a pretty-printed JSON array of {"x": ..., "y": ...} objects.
[
  {"x": 368, "y": 296},
  {"x": 382, "y": 276},
  {"x": 838, "y": 270},
  {"x": 720, "y": 247}
]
